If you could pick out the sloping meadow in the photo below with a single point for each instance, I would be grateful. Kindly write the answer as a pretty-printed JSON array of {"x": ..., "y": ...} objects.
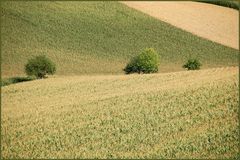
[
  {"x": 97, "y": 38},
  {"x": 190, "y": 114}
]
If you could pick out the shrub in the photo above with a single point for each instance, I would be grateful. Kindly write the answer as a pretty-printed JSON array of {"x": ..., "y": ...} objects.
[
  {"x": 8, "y": 81},
  {"x": 192, "y": 64},
  {"x": 231, "y": 4},
  {"x": 145, "y": 62},
  {"x": 5, "y": 82},
  {"x": 40, "y": 66}
]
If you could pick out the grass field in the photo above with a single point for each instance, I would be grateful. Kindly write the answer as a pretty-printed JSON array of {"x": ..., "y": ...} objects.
[
  {"x": 96, "y": 38},
  {"x": 188, "y": 114}
]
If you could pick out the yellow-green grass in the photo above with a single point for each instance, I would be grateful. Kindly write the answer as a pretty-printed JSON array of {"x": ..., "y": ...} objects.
[
  {"x": 96, "y": 38},
  {"x": 188, "y": 114}
]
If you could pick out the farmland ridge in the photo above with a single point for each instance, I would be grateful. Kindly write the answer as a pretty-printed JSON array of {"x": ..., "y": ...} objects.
[{"x": 188, "y": 114}]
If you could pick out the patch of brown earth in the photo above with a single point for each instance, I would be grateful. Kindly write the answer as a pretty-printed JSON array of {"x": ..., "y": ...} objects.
[{"x": 215, "y": 23}]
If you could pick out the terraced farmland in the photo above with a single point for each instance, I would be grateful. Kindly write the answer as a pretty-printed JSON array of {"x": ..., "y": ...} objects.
[{"x": 188, "y": 114}]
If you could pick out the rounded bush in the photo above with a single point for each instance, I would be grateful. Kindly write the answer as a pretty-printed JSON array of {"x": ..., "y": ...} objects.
[
  {"x": 40, "y": 66},
  {"x": 192, "y": 64},
  {"x": 145, "y": 62}
]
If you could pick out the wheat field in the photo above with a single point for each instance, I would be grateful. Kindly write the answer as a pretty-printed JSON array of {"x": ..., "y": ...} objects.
[
  {"x": 85, "y": 38},
  {"x": 187, "y": 114}
]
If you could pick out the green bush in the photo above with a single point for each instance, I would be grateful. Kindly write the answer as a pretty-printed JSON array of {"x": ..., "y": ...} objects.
[
  {"x": 8, "y": 81},
  {"x": 146, "y": 62},
  {"x": 224, "y": 3},
  {"x": 192, "y": 64},
  {"x": 5, "y": 82},
  {"x": 40, "y": 66}
]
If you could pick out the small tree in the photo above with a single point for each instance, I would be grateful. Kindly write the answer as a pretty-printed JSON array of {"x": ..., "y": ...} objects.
[
  {"x": 40, "y": 66},
  {"x": 192, "y": 64},
  {"x": 146, "y": 62}
]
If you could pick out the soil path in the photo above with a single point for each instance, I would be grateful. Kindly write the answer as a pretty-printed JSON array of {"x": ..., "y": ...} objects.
[{"x": 216, "y": 23}]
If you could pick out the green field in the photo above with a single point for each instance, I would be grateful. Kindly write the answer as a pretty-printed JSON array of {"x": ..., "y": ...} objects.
[
  {"x": 189, "y": 114},
  {"x": 96, "y": 38}
]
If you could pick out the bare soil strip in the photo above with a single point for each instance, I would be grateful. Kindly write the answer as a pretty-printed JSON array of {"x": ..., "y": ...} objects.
[{"x": 216, "y": 23}]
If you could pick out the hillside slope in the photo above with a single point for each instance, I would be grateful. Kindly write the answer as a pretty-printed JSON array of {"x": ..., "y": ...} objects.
[
  {"x": 96, "y": 38},
  {"x": 216, "y": 23},
  {"x": 190, "y": 114}
]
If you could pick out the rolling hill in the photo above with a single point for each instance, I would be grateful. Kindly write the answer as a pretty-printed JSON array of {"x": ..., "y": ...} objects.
[
  {"x": 85, "y": 112},
  {"x": 188, "y": 114},
  {"x": 216, "y": 23},
  {"x": 96, "y": 38}
]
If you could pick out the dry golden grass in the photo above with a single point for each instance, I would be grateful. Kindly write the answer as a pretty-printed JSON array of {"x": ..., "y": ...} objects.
[{"x": 189, "y": 114}]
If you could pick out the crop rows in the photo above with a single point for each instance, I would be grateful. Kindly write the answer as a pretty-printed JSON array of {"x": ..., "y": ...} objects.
[
  {"x": 97, "y": 38},
  {"x": 179, "y": 115}
]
